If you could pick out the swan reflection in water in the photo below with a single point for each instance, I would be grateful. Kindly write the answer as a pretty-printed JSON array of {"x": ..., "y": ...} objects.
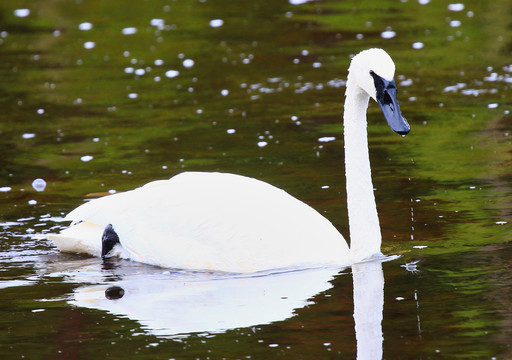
[{"x": 175, "y": 304}]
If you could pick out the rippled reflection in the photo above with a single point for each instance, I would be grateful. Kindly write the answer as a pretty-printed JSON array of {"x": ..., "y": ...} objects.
[{"x": 176, "y": 304}]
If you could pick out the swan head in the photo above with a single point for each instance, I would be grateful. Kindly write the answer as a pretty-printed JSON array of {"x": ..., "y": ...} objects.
[{"x": 372, "y": 71}]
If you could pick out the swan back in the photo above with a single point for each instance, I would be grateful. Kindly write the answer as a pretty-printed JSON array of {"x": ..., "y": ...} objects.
[{"x": 216, "y": 221}]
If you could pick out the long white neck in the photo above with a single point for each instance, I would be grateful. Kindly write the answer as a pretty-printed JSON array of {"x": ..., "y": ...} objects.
[{"x": 365, "y": 236}]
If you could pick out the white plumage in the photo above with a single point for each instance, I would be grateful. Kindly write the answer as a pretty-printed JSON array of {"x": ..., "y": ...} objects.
[{"x": 233, "y": 223}]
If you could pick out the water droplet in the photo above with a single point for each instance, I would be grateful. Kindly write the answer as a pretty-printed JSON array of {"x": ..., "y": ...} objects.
[
  {"x": 159, "y": 62},
  {"x": 418, "y": 45},
  {"x": 224, "y": 92},
  {"x": 28, "y": 136},
  {"x": 492, "y": 106},
  {"x": 85, "y": 26},
  {"x": 40, "y": 111},
  {"x": 140, "y": 72},
  {"x": 326, "y": 139},
  {"x": 216, "y": 23},
  {"x": 188, "y": 63},
  {"x": 5, "y": 189},
  {"x": 456, "y": 7},
  {"x": 455, "y": 23},
  {"x": 262, "y": 144},
  {"x": 172, "y": 73},
  {"x": 388, "y": 34},
  {"x": 21, "y": 12},
  {"x": 129, "y": 31},
  {"x": 133, "y": 95},
  {"x": 89, "y": 45},
  {"x": 86, "y": 158},
  {"x": 39, "y": 184},
  {"x": 159, "y": 23},
  {"x": 230, "y": 131},
  {"x": 298, "y": 2},
  {"x": 32, "y": 202}
]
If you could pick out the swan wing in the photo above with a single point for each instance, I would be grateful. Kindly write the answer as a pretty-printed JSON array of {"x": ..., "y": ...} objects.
[{"x": 216, "y": 221}]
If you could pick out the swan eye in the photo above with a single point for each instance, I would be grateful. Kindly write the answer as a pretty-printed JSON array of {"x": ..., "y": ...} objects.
[{"x": 382, "y": 87}]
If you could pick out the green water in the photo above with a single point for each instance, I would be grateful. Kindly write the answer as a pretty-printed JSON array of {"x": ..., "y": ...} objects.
[{"x": 96, "y": 108}]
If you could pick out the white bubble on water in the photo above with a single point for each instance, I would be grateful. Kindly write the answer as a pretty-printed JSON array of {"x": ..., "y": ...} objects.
[
  {"x": 216, "y": 23},
  {"x": 32, "y": 202},
  {"x": 129, "y": 31},
  {"x": 159, "y": 23},
  {"x": 5, "y": 189},
  {"x": 39, "y": 184},
  {"x": 172, "y": 73},
  {"x": 262, "y": 144},
  {"x": 86, "y": 158},
  {"x": 28, "y": 136},
  {"x": 326, "y": 139},
  {"x": 22, "y": 12},
  {"x": 388, "y": 34},
  {"x": 85, "y": 26},
  {"x": 188, "y": 63},
  {"x": 89, "y": 45},
  {"x": 224, "y": 92},
  {"x": 456, "y": 7},
  {"x": 417, "y": 45},
  {"x": 298, "y": 2}
]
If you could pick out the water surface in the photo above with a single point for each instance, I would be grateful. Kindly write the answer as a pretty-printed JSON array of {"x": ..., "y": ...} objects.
[{"x": 97, "y": 97}]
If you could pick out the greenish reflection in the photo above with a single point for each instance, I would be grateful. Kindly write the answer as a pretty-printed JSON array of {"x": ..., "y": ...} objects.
[{"x": 445, "y": 186}]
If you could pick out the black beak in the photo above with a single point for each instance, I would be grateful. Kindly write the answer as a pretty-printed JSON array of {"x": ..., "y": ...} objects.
[{"x": 386, "y": 98}]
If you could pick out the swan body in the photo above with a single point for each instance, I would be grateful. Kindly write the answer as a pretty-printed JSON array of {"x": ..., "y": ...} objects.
[{"x": 233, "y": 223}]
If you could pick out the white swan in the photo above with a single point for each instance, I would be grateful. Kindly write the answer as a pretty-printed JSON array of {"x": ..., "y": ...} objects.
[{"x": 232, "y": 223}]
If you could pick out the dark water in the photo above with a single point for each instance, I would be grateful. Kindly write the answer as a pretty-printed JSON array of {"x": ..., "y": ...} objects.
[{"x": 107, "y": 95}]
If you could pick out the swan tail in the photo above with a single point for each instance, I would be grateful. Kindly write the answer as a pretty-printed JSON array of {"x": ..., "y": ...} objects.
[{"x": 84, "y": 237}]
